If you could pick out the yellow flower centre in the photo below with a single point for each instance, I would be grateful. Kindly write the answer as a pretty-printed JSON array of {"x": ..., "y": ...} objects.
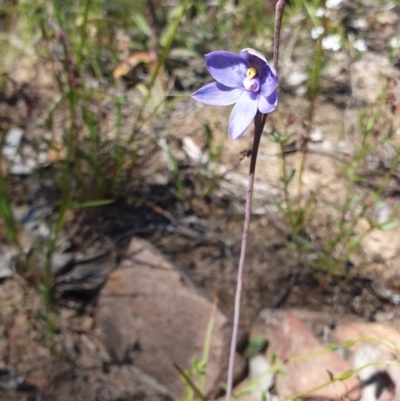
[{"x": 251, "y": 72}]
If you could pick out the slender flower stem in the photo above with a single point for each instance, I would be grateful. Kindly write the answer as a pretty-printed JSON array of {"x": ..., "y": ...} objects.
[
  {"x": 279, "y": 10},
  {"x": 259, "y": 123}
]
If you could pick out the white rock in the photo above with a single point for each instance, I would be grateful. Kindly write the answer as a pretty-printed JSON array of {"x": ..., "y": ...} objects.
[
  {"x": 321, "y": 12},
  {"x": 316, "y": 135},
  {"x": 193, "y": 151},
  {"x": 360, "y": 45},
  {"x": 6, "y": 263},
  {"x": 21, "y": 167},
  {"x": 12, "y": 142},
  {"x": 333, "y": 3},
  {"x": 296, "y": 78},
  {"x": 317, "y": 31},
  {"x": 394, "y": 42},
  {"x": 360, "y": 23},
  {"x": 380, "y": 381},
  {"x": 332, "y": 42},
  {"x": 364, "y": 355},
  {"x": 259, "y": 368},
  {"x": 382, "y": 213}
]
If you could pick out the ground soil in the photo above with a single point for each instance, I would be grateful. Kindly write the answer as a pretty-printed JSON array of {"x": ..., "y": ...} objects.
[{"x": 201, "y": 234}]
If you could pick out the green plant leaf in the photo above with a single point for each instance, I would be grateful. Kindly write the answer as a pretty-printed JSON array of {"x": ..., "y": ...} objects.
[
  {"x": 273, "y": 138},
  {"x": 245, "y": 390},
  {"x": 96, "y": 203},
  {"x": 273, "y": 357},
  {"x": 354, "y": 243},
  {"x": 345, "y": 375},
  {"x": 281, "y": 372},
  {"x": 348, "y": 344},
  {"x": 255, "y": 346},
  {"x": 141, "y": 23},
  {"x": 389, "y": 225},
  {"x": 290, "y": 177},
  {"x": 332, "y": 347},
  {"x": 370, "y": 124}
]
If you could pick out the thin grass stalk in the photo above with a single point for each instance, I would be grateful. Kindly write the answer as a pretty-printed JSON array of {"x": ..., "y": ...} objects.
[
  {"x": 160, "y": 63},
  {"x": 140, "y": 120},
  {"x": 82, "y": 33},
  {"x": 207, "y": 346},
  {"x": 6, "y": 208},
  {"x": 288, "y": 201},
  {"x": 313, "y": 93}
]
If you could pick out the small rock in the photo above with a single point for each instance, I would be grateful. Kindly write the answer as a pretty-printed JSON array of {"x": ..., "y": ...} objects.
[
  {"x": 383, "y": 243},
  {"x": 346, "y": 331},
  {"x": 59, "y": 260},
  {"x": 316, "y": 135},
  {"x": 360, "y": 23},
  {"x": 382, "y": 349},
  {"x": 193, "y": 151},
  {"x": 127, "y": 382},
  {"x": 381, "y": 382},
  {"x": 22, "y": 167},
  {"x": 12, "y": 142},
  {"x": 332, "y": 42},
  {"x": 296, "y": 78},
  {"x": 150, "y": 313},
  {"x": 259, "y": 372},
  {"x": 383, "y": 376},
  {"x": 333, "y": 3},
  {"x": 288, "y": 337},
  {"x": 89, "y": 271},
  {"x": 6, "y": 262},
  {"x": 382, "y": 212},
  {"x": 10, "y": 381},
  {"x": 360, "y": 45},
  {"x": 317, "y": 31}
]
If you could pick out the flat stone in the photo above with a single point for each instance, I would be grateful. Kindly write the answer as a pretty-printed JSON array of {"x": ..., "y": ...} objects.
[
  {"x": 151, "y": 315},
  {"x": 350, "y": 330},
  {"x": 381, "y": 381},
  {"x": 288, "y": 337},
  {"x": 386, "y": 244},
  {"x": 385, "y": 376}
]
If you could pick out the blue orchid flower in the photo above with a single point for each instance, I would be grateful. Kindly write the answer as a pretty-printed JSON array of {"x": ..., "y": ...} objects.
[{"x": 245, "y": 79}]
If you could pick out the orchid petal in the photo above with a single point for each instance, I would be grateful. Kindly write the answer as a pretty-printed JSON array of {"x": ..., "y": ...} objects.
[
  {"x": 269, "y": 81},
  {"x": 254, "y": 59},
  {"x": 248, "y": 52},
  {"x": 267, "y": 104},
  {"x": 227, "y": 68},
  {"x": 217, "y": 94},
  {"x": 242, "y": 114}
]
